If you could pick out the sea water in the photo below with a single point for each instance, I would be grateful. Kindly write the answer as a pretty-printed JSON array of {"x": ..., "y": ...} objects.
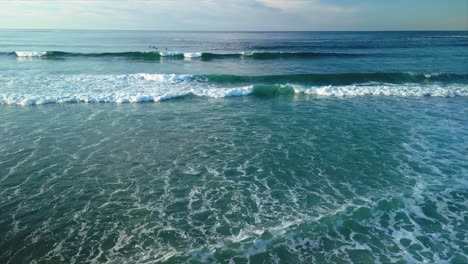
[{"x": 233, "y": 147}]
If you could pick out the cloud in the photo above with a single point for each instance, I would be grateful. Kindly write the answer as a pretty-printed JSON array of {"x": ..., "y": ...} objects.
[
  {"x": 314, "y": 14},
  {"x": 304, "y": 6},
  {"x": 229, "y": 14},
  {"x": 168, "y": 14}
]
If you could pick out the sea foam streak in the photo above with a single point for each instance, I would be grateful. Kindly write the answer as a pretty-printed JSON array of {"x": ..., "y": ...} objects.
[
  {"x": 407, "y": 90},
  {"x": 170, "y": 53},
  {"x": 181, "y": 54},
  {"x": 143, "y": 87},
  {"x": 30, "y": 53},
  {"x": 193, "y": 54},
  {"x": 165, "y": 78}
]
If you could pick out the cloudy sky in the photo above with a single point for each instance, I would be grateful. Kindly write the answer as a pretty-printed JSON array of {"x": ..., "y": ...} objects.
[{"x": 236, "y": 14}]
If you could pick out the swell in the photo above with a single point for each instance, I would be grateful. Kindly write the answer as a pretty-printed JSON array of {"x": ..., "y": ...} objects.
[
  {"x": 340, "y": 78},
  {"x": 349, "y": 46},
  {"x": 152, "y": 55}
]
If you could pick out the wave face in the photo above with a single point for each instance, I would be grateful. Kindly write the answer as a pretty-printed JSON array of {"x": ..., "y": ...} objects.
[
  {"x": 341, "y": 78},
  {"x": 177, "y": 54},
  {"x": 133, "y": 88}
]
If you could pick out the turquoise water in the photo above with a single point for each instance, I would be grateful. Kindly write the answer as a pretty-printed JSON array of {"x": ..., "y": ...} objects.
[{"x": 304, "y": 147}]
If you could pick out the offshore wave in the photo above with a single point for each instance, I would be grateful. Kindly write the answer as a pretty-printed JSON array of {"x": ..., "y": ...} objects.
[
  {"x": 135, "y": 88},
  {"x": 151, "y": 55},
  {"x": 340, "y": 78}
]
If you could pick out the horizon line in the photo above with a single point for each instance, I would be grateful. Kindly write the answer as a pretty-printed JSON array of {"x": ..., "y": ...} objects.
[{"x": 208, "y": 30}]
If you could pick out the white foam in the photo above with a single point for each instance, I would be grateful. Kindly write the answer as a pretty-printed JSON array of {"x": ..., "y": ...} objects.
[
  {"x": 223, "y": 92},
  {"x": 178, "y": 53},
  {"x": 30, "y": 53},
  {"x": 166, "y": 78},
  {"x": 132, "y": 88},
  {"x": 170, "y": 53},
  {"x": 246, "y": 53},
  {"x": 401, "y": 90},
  {"x": 193, "y": 54}
]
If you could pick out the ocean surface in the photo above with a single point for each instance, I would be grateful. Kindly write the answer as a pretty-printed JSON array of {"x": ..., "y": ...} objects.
[{"x": 233, "y": 147}]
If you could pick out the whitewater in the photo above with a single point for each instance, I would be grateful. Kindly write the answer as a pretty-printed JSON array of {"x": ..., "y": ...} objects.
[
  {"x": 135, "y": 88},
  {"x": 233, "y": 147}
]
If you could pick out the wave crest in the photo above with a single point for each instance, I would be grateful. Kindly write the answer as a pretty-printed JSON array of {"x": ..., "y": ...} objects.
[
  {"x": 151, "y": 55},
  {"x": 30, "y": 53},
  {"x": 143, "y": 87},
  {"x": 156, "y": 96}
]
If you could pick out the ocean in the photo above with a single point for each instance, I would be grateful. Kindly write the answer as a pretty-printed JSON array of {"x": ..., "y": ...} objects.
[{"x": 233, "y": 147}]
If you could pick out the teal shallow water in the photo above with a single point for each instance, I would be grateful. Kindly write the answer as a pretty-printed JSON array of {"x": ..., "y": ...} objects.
[
  {"x": 287, "y": 179},
  {"x": 233, "y": 147}
]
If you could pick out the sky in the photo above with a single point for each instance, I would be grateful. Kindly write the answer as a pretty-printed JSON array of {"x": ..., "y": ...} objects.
[{"x": 281, "y": 15}]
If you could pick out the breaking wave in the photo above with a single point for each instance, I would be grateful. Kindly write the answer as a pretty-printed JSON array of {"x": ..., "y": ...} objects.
[
  {"x": 151, "y": 55},
  {"x": 134, "y": 88}
]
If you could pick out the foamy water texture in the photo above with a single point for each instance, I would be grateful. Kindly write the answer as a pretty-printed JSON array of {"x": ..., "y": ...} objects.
[
  {"x": 376, "y": 179},
  {"x": 135, "y": 88}
]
